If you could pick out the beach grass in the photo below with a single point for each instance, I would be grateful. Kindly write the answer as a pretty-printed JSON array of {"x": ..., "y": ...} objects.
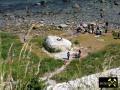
[{"x": 24, "y": 67}]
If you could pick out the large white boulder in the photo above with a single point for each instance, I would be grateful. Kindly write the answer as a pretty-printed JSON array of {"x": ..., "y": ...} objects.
[{"x": 58, "y": 43}]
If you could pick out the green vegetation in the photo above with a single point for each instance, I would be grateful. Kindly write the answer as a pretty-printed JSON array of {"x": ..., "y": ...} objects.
[
  {"x": 35, "y": 84},
  {"x": 49, "y": 64},
  {"x": 6, "y": 41},
  {"x": 22, "y": 64},
  {"x": 38, "y": 41},
  {"x": 94, "y": 63}
]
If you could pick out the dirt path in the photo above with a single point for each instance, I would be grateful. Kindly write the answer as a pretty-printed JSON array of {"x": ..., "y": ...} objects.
[{"x": 47, "y": 76}]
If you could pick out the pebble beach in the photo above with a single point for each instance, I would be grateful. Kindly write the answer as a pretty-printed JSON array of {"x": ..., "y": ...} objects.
[{"x": 58, "y": 11}]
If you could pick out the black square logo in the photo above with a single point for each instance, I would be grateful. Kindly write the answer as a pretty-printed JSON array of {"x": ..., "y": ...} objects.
[{"x": 108, "y": 82}]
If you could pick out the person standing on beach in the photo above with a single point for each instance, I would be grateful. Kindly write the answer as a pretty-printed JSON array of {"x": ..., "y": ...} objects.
[
  {"x": 92, "y": 28},
  {"x": 68, "y": 55},
  {"x": 118, "y": 35},
  {"x": 79, "y": 53},
  {"x": 89, "y": 28},
  {"x": 106, "y": 27},
  {"x": 97, "y": 30}
]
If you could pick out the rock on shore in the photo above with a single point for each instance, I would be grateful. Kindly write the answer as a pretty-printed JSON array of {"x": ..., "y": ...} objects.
[{"x": 86, "y": 83}]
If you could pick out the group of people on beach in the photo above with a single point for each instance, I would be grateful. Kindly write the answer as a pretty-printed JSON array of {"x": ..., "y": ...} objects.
[
  {"x": 77, "y": 55},
  {"x": 92, "y": 28}
]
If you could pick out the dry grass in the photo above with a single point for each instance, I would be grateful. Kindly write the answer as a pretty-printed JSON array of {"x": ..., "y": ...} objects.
[
  {"x": 95, "y": 44},
  {"x": 85, "y": 40}
]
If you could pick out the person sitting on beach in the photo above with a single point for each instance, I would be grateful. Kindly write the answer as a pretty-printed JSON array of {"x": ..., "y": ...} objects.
[
  {"x": 78, "y": 54},
  {"x": 59, "y": 39},
  {"x": 97, "y": 30},
  {"x": 89, "y": 28},
  {"x": 80, "y": 28}
]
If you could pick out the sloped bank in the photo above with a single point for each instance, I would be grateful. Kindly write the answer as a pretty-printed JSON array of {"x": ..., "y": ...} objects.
[{"x": 86, "y": 83}]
